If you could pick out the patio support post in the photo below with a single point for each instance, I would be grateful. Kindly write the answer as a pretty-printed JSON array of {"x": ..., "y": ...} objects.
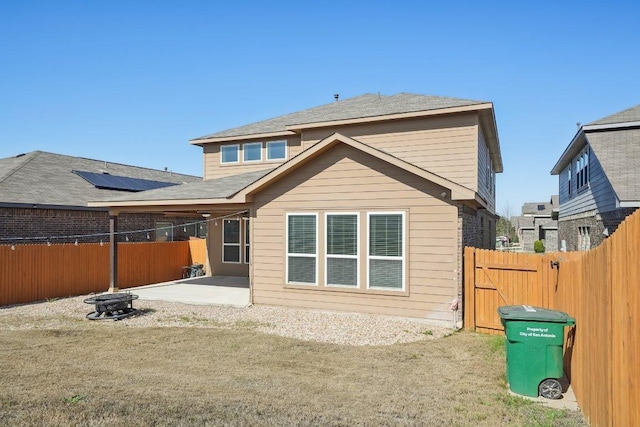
[{"x": 113, "y": 252}]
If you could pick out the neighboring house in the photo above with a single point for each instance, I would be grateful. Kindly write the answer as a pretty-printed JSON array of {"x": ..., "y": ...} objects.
[
  {"x": 362, "y": 204},
  {"x": 539, "y": 221},
  {"x": 599, "y": 179},
  {"x": 43, "y": 197}
]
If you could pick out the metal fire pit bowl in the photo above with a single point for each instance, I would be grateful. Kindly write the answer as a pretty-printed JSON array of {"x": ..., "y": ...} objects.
[{"x": 114, "y": 306}]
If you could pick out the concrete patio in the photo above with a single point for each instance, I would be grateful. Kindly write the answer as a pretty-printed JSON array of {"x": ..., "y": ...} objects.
[{"x": 216, "y": 290}]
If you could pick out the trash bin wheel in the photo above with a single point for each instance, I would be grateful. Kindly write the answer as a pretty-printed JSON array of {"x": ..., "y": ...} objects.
[{"x": 550, "y": 389}]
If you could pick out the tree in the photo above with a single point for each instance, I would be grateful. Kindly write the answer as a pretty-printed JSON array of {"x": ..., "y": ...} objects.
[{"x": 504, "y": 226}]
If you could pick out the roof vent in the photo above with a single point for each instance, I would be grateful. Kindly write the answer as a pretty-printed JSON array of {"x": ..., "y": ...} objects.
[
  {"x": 336, "y": 96},
  {"x": 20, "y": 155}
]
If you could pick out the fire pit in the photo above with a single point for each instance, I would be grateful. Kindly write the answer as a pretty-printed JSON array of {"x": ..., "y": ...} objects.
[{"x": 114, "y": 306}]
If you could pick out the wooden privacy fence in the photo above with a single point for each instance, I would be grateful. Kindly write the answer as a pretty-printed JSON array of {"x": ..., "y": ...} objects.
[
  {"x": 600, "y": 289},
  {"x": 31, "y": 273}
]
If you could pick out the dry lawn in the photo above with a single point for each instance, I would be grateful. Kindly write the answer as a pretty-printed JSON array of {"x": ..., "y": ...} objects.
[{"x": 97, "y": 375}]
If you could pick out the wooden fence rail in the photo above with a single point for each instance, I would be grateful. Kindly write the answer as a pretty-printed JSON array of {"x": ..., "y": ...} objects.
[
  {"x": 599, "y": 288},
  {"x": 31, "y": 273}
]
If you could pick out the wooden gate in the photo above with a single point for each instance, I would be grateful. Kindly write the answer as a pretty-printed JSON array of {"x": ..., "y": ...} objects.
[{"x": 494, "y": 278}]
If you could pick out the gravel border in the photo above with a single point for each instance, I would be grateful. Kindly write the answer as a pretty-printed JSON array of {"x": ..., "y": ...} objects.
[{"x": 304, "y": 324}]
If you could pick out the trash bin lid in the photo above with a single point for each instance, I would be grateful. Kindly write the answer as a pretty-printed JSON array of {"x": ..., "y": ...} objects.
[{"x": 536, "y": 314}]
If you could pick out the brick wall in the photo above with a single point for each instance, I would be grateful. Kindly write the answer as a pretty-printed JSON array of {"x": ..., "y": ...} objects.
[
  {"x": 476, "y": 228},
  {"x": 51, "y": 224},
  {"x": 568, "y": 229}
]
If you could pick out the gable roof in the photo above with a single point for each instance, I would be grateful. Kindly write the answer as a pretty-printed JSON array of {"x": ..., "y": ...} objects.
[
  {"x": 366, "y": 108},
  {"x": 626, "y": 119},
  {"x": 360, "y": 107},
  {"x": 46, "y": 179},
  {"x": 458, "y": 192},
  {"x": 619, "y": 155}
]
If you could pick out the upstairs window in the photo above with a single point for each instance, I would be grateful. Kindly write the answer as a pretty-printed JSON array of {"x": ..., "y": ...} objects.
[
  {"x": 276, "y": 150},
  {"x": 582, "y": 169},
  {"x": 229, "y": 153},
  {"x": 252, "y": 152},
  {"x": 569, "y": 179}
]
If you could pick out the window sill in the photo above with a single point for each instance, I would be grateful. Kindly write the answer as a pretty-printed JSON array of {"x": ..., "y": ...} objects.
[{"x": 338, "y": 289}]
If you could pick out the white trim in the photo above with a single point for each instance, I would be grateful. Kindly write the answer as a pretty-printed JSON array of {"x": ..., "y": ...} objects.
[
  {"x": 228, "y": 146},
  {"x": 287, "y": 254},
  {"x": 629, "y": 204},
  {"x": 327, "y": 256},
  {"x": 239, "y": 244},
  {"x": 402, "y": 258},
  {"x": 286, "y": 150},
  {"x": 244, "y": 160},
  {"x": 618, "y": 125}
]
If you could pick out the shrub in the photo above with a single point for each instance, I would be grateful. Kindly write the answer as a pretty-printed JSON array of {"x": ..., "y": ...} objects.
[{"x": 538, "y": 246}]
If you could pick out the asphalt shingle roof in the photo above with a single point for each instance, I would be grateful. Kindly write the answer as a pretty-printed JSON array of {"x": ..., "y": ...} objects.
[
  {"x": 211, "y": 189},
  {"x": 629, "y": 115},
  {"x": 524, "y": 222},
  {"x": 537, "y": 208},
  {"x": 619, "y": 154},
  {"x": 367, "y": 105},
  {"x": 42, "y": 178},
  {"x": 540, "y": 208}
]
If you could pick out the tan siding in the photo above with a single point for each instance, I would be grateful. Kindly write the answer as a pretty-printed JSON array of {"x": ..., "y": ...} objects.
[
  {"x": 214, "y": 169},
  {"x": 345, "y": 179},
  {"x": 219, "y": 268},
  {"x": 444, "y": 145}
]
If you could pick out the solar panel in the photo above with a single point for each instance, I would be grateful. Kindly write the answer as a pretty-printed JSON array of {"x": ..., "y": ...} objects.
[{"x": 121, "y": 183}]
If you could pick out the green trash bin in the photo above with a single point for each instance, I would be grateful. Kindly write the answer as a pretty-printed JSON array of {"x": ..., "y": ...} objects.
[{"x": 534, "y": 340}]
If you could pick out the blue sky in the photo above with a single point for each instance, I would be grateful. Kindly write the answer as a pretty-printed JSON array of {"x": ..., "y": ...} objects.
[{"x": 132, "y": 82}]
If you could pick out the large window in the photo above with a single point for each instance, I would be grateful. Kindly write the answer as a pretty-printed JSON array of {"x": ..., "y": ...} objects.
[
  {"x": 231, "y": 241},
  {"x": 229, "y": 153},
  {"x": 302, "y": 248},
  {"x": 252, "y": 152},
  {"x": 385, "y": 261},
  {"x": 276, "y": 150},
  {"x": 342, "y": 249}
]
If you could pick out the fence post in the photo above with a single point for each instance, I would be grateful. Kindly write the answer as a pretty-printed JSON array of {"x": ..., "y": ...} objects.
[
  {"x": 469, "y": 296},
  {"x": 113, "y": 252}
]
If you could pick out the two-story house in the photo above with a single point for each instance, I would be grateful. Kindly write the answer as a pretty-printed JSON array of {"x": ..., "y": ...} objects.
[
  {"x": 539, "y": 221},
  {"x": 362, "y": 204},
  {"x": 599, "y": 179}
]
